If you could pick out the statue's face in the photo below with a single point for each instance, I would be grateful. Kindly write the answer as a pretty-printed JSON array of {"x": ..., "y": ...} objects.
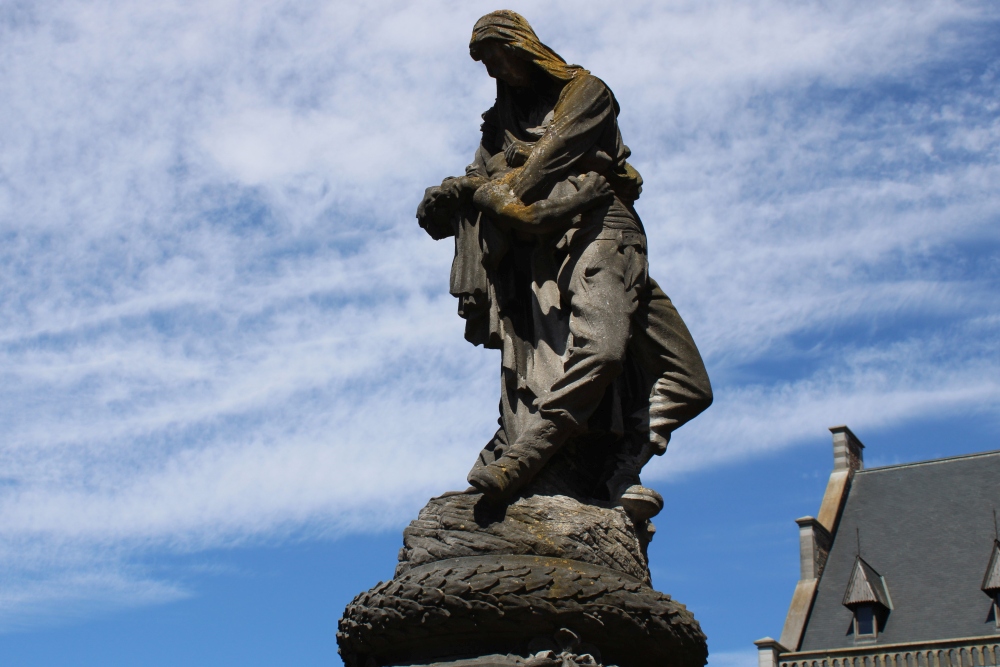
[{"x": 502, "y": 64}]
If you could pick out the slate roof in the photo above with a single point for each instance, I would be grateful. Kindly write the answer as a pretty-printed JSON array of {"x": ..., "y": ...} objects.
[{"x": 927, "y": 529}]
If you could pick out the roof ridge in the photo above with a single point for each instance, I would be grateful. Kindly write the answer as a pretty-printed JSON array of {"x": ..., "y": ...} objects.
[{"x": 946, "y": 459}]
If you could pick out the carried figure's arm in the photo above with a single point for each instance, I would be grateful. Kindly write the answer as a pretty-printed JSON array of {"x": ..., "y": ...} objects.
[{"x": 547, "y": 215}]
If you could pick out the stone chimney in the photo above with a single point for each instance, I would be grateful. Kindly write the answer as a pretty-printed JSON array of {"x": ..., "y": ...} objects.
[
  {"x": 848, "y": 452},
  {"x": 814, "y": 547}
]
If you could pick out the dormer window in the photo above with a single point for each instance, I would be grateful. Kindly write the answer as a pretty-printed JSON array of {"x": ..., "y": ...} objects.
[
  {"x": 868, "y": 597},
  {"x": 991, "y": 582}
]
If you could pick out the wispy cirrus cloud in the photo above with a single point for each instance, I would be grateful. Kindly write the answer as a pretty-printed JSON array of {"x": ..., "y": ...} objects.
[{"x": 220, "y": 324}]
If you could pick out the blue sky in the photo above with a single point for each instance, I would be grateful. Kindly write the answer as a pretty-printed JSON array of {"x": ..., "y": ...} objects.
[{"x": 231, "y": 371}]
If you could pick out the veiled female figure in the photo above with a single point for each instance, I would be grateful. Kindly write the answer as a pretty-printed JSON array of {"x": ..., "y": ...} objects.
[{"x": 550, "y": 267}]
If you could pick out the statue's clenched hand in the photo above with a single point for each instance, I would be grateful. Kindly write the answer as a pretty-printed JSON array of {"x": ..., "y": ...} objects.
[{"x": 592, "y": 188}]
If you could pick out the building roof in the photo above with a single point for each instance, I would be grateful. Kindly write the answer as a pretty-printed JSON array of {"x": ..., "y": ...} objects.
[{"x": 927, "y": 529}]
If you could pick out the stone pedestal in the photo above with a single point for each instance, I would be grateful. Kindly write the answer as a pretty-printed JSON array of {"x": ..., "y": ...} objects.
[{"x": 546, "y": 580}]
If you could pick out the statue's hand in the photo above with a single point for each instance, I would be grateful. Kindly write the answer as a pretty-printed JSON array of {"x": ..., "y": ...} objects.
[
  {"x": 434, "y": 213},
  {"x": 593, "y": 188},
  {"x": 517, "y": 153},
  {"x": 438, "y": 197},
  {"x": 427, "y": 204},
  {"x": 444, "y": 195},
  {"x": 440, "y": 202},
  {"x": 452, "y": 188}
]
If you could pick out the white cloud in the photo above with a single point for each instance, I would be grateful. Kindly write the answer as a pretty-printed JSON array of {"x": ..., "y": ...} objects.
[
  {"x": 871, "y": 388},
  {"x": 219, "y": 322}
]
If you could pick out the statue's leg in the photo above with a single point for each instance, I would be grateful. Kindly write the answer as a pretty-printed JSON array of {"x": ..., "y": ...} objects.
[
  {"x": 681, "y": 390},
  {"x": 676, "y": 389},
  {"x": 603, "y": 291},
  {"x": 603, "y": 287}
]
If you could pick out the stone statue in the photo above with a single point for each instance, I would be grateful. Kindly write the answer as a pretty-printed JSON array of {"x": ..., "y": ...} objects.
[
  {"x": 543, "y": 561},
  {"x": 550, "y": 267}
]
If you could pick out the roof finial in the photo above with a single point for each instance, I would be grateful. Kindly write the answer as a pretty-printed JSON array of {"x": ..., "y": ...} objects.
[
  {"x": 996, "y": 531},
  {"x": 857, "y": 533}
]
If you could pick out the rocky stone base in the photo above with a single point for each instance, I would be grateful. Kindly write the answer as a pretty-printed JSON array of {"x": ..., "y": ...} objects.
[
  {"x": 543, "y": 581},
  {"x": 463, "y": 524}
]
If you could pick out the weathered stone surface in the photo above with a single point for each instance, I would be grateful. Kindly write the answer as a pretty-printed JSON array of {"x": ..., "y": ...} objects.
[
  {"x": 457, "y": 525},
  {"x": 476, "y": 579},
  {"x": 545, "y": 564},
  {"x": 410, "y": 620}
]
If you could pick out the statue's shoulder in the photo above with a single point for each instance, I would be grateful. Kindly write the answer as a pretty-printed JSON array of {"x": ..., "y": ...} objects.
[
  {"x": 585, "y": 87},
  {"x": 585, "y": 79}
]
